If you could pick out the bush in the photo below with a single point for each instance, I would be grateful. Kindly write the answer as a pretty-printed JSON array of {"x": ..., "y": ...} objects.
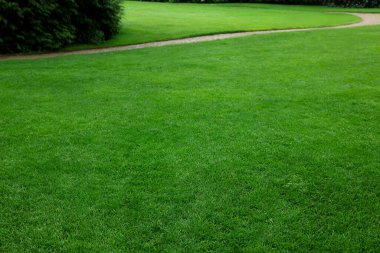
[
  {"x": 97, "y": 20},
  {"x": 38, "y": 25}
]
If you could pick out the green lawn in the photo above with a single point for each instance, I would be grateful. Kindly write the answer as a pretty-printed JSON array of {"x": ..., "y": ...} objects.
[
  {"x": 300, "y": 7},
  {"x": 146, "y": 22},
  {"x": 265, "y": 143}
]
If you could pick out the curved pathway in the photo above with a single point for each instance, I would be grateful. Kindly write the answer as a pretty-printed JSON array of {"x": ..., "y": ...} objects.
[{"x": 367, "y": 19}]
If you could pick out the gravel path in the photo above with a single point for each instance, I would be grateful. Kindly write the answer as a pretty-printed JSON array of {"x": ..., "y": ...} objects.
[{"x": 367, "y": 19}]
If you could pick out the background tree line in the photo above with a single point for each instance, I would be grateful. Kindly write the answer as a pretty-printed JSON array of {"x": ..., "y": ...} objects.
[{"x": 341, "y": 3}]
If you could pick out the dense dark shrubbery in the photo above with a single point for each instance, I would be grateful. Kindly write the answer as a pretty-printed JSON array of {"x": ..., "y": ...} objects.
[
  {"x": 97, "y": 20},
  {"x": 345, "y": 3},
  {"x": 353, "y": 3},
  {"x": 36, "y": 25}
]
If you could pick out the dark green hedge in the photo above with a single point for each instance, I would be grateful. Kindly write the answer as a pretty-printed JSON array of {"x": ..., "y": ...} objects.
[
  {"x": 344, "y": 3},
  {"x": 38, "y": 25}
]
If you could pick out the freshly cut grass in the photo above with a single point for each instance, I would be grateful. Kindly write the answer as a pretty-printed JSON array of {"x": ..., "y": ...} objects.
[
  {"x": 267, "y": 143},
  {"x": 146, "y": 21}
]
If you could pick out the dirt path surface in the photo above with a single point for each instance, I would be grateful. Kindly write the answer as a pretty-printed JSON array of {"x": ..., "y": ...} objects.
[{"x": 367, "y": 19}]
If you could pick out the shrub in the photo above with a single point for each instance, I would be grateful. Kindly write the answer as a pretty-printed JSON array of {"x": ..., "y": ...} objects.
[
  {"x": 97, "y": 20},
  {"x": 37, "y": 25}
]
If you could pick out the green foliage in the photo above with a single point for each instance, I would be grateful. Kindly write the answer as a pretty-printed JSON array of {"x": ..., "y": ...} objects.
[
  {"x": 100, "y": 22},
  {"x": 345, "y": 3},
  {"x": 36, "y": 25},
  {"x": 353, "y": 3}
]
